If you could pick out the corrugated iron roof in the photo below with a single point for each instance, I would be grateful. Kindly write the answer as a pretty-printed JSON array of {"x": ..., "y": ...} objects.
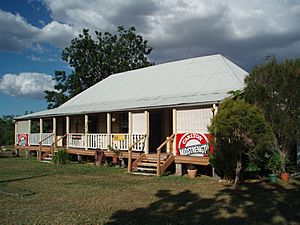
[{"x": 198, "y": 80}]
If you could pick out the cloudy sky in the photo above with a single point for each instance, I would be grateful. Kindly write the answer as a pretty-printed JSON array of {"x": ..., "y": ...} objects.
[{"x": 33, "y": 33}]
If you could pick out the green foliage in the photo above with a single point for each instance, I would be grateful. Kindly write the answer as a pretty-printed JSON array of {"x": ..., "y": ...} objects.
[
  {"x": 223, "y": 164},
  {"x": 274, "y": 163},
  {"x": 252, "y": 167},
  {"x": 61, "y": 156},
  {"x": 60, "y": 96},
  {"x": 95, "y": 60},
  {"x": 240, "y": 133},
  {"x": 7, "y": 130},
  {"x": 237, "y": 94},
  {"x": 274, "y": 88},
  {"x": 115, "y": 150}
]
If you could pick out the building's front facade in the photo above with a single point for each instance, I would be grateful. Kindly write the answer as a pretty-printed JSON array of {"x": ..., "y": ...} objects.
[{"x": 147, "y": 106}]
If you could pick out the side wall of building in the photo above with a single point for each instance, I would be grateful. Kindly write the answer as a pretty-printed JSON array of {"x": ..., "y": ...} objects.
[{"x": 193, "y": 120}]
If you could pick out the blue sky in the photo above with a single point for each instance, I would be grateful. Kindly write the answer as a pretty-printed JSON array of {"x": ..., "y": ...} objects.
[
  {"x": 33, "y": 33},
  {"x": 38, "y": 58}
]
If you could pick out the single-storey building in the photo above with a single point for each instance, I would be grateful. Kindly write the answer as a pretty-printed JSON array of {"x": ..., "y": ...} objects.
[{"x": 155, "y": 116}]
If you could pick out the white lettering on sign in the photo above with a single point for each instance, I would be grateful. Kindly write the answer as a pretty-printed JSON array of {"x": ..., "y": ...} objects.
[
  {"x": 192, "y": 144},
  {"x": 192, "y": 136},
  {"x": 193, "y": 150}
]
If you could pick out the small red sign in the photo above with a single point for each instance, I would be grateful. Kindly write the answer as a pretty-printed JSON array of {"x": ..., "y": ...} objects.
[
  {"x": 77, "y": 137},
  {"x": 192, "y": 144},
  {"x": 23, "y": 139}
]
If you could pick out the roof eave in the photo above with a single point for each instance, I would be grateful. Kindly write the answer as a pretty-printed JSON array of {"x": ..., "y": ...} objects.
[{"x": 181, "y": 105}]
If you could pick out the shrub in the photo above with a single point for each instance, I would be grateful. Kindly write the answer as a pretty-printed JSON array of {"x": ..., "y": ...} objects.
[
  {"x": 274, "y": 163},
  {"x": 241, "y": 136},
  {"x": 61, "y": 156}
]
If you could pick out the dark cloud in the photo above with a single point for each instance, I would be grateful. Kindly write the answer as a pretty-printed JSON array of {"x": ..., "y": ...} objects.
[
  {"x": 134, "y": 13},
  {"x": 244, "y": 31}
]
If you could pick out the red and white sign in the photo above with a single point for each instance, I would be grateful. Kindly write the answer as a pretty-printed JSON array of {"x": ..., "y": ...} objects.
[
  {"x": 192, "y": 144},
  {"x": 23, "y": 139}
]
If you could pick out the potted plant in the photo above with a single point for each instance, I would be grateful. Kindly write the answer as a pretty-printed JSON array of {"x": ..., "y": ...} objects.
[
  {"x": 116, "y": 152},
  {"x": 284, "y": 175},
  {"x": 192, "y": 171},
  {"x": 274, "y": 164}
]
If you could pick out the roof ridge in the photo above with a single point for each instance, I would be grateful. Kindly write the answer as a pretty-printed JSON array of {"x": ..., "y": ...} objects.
[{"x": 229, "y": 67}]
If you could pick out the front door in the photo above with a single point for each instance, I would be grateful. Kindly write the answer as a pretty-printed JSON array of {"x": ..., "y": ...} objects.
[
  {"x": 155, "y": 138},
  {"x": 160, "y": 128}
]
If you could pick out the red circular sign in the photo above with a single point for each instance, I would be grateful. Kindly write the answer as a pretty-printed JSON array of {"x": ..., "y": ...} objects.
[{"x": 193, "y": 144}]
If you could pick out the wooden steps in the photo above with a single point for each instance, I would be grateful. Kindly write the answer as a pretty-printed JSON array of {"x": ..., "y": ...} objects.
[
  {"x": 143, "y": 174},
  {"x": 146, "y": 164},
  {"x": 47, "y": 158}
]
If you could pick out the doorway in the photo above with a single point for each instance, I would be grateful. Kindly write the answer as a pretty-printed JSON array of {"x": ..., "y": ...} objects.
[{"x": 160, "y": 128}]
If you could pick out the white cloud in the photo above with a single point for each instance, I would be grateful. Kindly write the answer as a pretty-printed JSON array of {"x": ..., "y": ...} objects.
[
  {"x": 50, "y": 58},
  {"x": 15, "y": 33},
  {"x": 34, "y": 58},
  {"x": 26, "y": 84},
  {"x": 56, "y": 34}
]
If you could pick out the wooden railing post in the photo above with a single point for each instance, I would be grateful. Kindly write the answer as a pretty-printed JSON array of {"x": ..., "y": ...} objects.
[
  {"x": 130, "y": 153},
  {"x": 169, "y": 139},
  {"x": 52, "y": 150},
  {"x": 129, "y": 160},
  {"x": 168, "y": 145},
  {"x": 40, "y": 152},
  {"x": 67, "y": 130},
  {"x": 158, "y": 162},
  {"x": 39, "y": 156},
  {"x": 86, "y": 130},
  {"x": 108, "y": 128}
]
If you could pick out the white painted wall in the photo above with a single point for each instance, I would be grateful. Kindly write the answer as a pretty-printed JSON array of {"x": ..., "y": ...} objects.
[
  {"x": 138, "y": 123},
  {"x": 193, "y": 120},
  {"x": 23, "y": 127}
]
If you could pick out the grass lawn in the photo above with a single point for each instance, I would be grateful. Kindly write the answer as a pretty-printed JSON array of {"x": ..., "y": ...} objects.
[{"x": 38, "y": 193}]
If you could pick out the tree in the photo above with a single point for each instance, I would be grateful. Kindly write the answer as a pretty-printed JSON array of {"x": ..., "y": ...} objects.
[
  {"x": 274, "y": 88},
  {"x": 6, "y": 130},
  {"x": 60, "y": 96},
  {"x": 95, "y": 60},
  {"x": 241, "y": 135}
]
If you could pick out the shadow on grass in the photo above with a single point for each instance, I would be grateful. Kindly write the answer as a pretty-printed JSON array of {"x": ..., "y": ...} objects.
[
  {"x": 255, "y": 203},
  {"x": 24, "y": 178}
]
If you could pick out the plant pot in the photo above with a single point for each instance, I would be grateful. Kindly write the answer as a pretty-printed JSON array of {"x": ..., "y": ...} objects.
[
  {"x": 115, "y": 160},
  {"x": 273, "y": 178},
  {"x": 285, "y": 177},
  {"x": 192, "y": 173}
]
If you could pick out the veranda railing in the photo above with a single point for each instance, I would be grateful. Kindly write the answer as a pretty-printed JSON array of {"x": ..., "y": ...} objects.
[
  {"x": 102, "y": 141},
  {"x": 35, "y": 138}
]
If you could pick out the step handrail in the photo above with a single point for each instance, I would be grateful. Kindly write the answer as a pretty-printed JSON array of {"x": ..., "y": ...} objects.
[
  {"x": 40, "y": 142},
  {"x": 130, "y": 153},
  {"x": 54, "y": 144},
  {"x": 40, "y": 146},
  {"x": 158, "y": 171}
]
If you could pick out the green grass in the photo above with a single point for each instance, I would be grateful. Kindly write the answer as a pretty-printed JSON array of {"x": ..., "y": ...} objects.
[{"x": 37, "y": 193}]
